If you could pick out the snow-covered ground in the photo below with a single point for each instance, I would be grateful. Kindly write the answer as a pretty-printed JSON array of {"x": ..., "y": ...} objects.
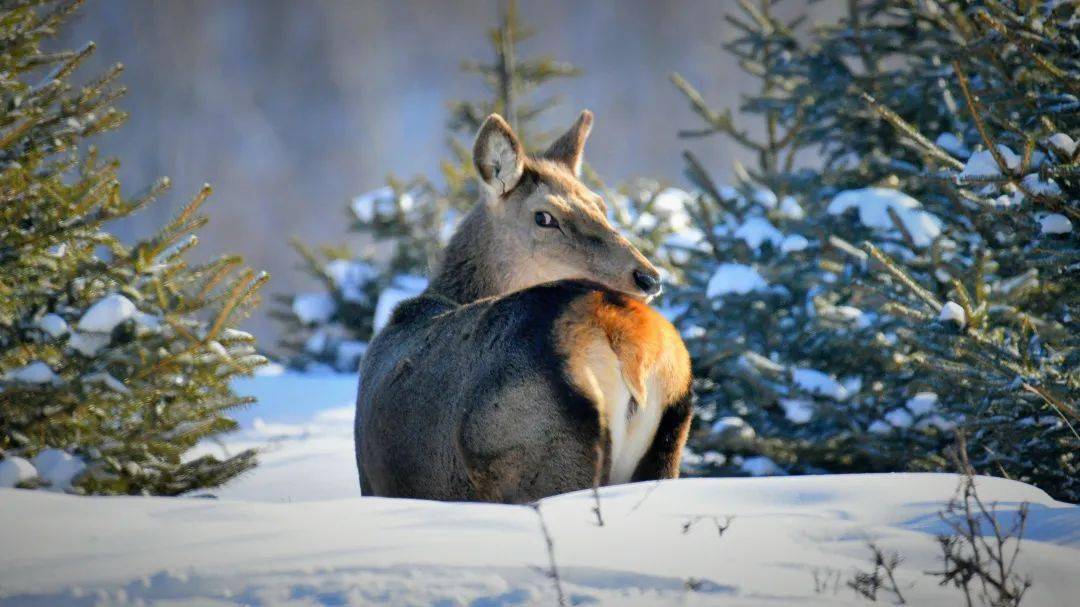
[{"x": 788, "y": 540}]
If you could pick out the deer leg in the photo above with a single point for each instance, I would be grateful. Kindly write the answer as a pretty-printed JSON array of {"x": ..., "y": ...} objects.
[{"x": 662, "y": 458}]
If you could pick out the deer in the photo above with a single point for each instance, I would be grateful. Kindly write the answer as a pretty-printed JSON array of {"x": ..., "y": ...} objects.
[{"x": 532, "y": 365}]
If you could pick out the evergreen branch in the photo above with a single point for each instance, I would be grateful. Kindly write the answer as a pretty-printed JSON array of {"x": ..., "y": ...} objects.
[
  {"x": 976, "y": 116},
  {"x": 931, "y": 148},
  {"x": 1061, "y": 407},
  {"x": 1038, "y": 59},
  {"x": 902, "y": 276},
  {"x": 717, "y": 122}
]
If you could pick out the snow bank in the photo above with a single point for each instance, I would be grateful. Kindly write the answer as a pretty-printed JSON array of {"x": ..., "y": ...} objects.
[
  {"x": 363, "y": 551},
  {"x": 303, "y": 429},
  {"x": 261, "y": 543}
]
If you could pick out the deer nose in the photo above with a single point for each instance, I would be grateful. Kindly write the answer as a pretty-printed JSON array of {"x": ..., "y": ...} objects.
[{"x": 648, "y": 282}]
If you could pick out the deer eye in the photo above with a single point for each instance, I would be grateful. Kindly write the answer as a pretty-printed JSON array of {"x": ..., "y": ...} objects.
[{"x": 545, "y": 220}]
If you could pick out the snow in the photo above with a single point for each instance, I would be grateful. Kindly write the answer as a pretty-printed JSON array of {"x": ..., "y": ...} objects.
[
  {"x": 679, "y": 244},
  {"x": 1036, "y": 185},
  {"x": 922, "y": 403},
  {"x": 880, "y": 427},
  {"x": 935, "y": 421},
  {"x": 791, "y": 209},
  {"x": 952, "y": 311},
  {"x": 53, "y": 324},
  {"x": 1011, "y": 159},
  {"x": 350, "y": 277},
  {"x": 756, "y": 231},
  {"x": 873, "y": 205},
  {"x": 734, "y": 278},
  {"x": 295, "y": 531},
  {"x": 952, "y": 144},
  {"x": 15, "y": 470},
  {"x": 58, "y": 468},
  {"x": 732, "y": 433},
  {"x": 108, "y": 381},
  {"x": 106, "y": 313},
  {"x": 670, "y": 204},
  {"x": 817, "y": 383},
  {"x": 1055, "y": 223},
  {"x": 983, "y": 165},
  {"x": 797, "y": 410},
  {"x": 349, "y": 353},
  {"x": 1063, "y": 143},
  {"x": 314, "y": 308},
  {"x": 765, "y": 197},
  {"x": 853, "y": 315},
  {"x": 88, "y": 344},
  {"x": 403, "y": 287},
  {"x": 759, "y": 465},
  {"x": 378, "y": 202},
  {"x": 316, "y": 342},
  {"x": 899, "y": 418},
  {"x": 303, "y": 429},
  {"x": 35, "y": 372},
  {"x": 794, "y": 243},
  {"x": 364, "y": 551}
]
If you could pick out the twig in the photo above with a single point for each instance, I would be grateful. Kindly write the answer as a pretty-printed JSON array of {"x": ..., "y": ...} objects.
[
  {"x": 644, "y": 497},
  {"x": 553, "y": 571},
  {"x": 721, "y": 527},
  {"x": 868, "y": 583}
]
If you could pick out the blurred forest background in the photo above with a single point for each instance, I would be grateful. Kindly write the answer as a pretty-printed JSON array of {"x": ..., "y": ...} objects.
[{"x": 289, "y": 109}]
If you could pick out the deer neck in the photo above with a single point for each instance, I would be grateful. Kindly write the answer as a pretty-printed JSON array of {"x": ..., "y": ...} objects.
[{"x": 470, "y": 268}]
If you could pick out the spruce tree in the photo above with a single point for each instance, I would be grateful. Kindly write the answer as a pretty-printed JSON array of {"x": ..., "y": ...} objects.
[
  {"x": 758, "y": 297},
  {"x": 115, "y": 359},
  {"x": 408, "y": 222},
  {"x": 938, "y": 288},
  {"x": 989, "y": 311}
]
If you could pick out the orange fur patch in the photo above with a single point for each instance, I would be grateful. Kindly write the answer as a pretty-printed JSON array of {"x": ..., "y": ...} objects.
[{"x": 646, "y": 346}]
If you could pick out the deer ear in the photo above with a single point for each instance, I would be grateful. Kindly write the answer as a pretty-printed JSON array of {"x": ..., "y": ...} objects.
[
  {"x": 498, "y": 155},
  {"x": 568, "y": 149}
]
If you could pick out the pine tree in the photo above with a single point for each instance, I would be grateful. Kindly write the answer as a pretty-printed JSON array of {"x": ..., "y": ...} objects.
[
  {"x": 905, "y": 105},
  {"x": 115, "y": 359},
  {"x": 408, "y": 222}
]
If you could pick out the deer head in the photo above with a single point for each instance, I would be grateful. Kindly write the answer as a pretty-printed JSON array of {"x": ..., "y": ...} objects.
[{"x": 537, "y": 222}]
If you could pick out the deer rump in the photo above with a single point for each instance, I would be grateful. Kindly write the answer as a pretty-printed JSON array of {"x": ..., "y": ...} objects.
[{"x": 547, "y": 390}]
